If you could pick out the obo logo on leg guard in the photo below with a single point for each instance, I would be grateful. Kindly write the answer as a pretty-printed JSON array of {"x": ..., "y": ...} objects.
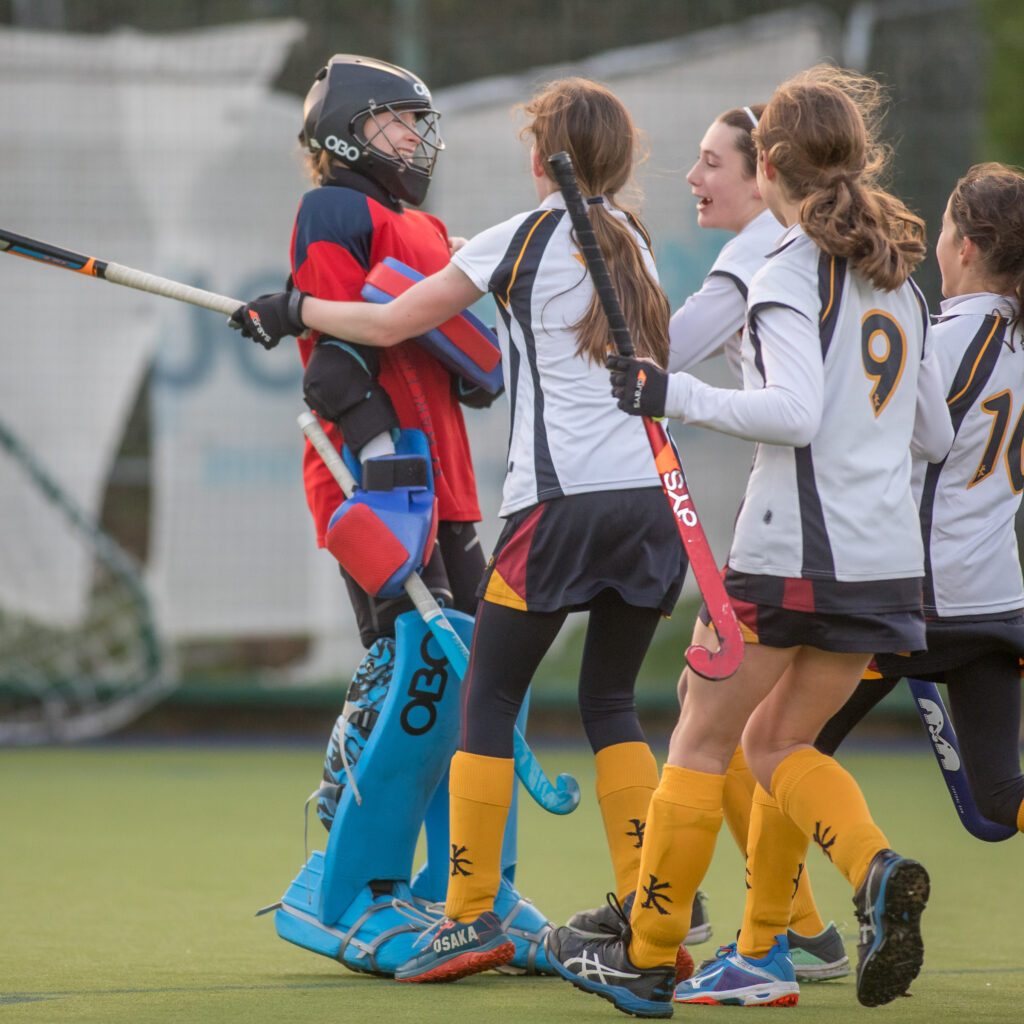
[{"x": 426, "y": 689}]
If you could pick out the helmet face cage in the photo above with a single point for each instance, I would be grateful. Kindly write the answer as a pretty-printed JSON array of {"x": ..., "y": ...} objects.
[
  {"x": 350, "y": 103},
  {"x": 425, "y": 125}
]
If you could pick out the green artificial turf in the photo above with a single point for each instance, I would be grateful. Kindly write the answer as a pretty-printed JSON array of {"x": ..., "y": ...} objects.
[{"x": 130, "y": 877}]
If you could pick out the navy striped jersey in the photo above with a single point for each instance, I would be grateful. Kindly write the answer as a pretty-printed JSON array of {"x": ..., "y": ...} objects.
[
  {"x": 839, "y": 386},
  {"x": 567, "y": 435},
  {"x": 969, "y": 500}
]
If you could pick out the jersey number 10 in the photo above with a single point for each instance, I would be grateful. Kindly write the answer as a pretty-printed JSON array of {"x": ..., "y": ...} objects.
[{"x": 1000, "y": 407}]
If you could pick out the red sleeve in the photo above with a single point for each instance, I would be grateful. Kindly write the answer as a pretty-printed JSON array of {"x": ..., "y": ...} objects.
[{"x": 339, "y": 236}]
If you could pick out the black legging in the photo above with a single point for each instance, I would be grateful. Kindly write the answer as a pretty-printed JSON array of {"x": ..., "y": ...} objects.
[
  {"x": 508, "y": 645},
  {"x": 451, "y": 575},
  {"x": 984, "y": 700}
]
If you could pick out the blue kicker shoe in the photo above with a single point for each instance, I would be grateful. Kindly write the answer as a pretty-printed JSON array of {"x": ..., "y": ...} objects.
[
  {"x": 889, "y": 905},
  {"x": 603, "y": 968},
  {"x": 734, "y": 980},
  {"x": 454, "y": 950},
  {"x": 527, "y": 927}
]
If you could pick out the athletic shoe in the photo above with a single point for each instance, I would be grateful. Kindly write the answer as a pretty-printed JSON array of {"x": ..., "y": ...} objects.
[
  {"x": 602, "y": 967},
  {"x": 889, "y": 905},
  {"x": 818, "y": 957},
  {"x": 734, "y": 980},
  {"x": 455, "y": 949},
  {"x": 601, "y": 922}
]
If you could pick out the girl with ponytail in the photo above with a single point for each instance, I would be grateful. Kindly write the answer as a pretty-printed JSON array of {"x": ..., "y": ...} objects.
[
  {"x": 973, "y": 590},
  {"x": 587, "y": 526},
  {"x": 840, "y": 388}
]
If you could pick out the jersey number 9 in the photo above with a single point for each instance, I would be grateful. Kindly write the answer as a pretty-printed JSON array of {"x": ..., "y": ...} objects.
[{"x": 883, "y": 349}]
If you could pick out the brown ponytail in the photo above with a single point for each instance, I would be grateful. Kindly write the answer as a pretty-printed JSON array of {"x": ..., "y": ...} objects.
[
  {"x": 587, "y": 121},
  {"x": 987, "y": 206},
  {"x": 820, "y": 132}
]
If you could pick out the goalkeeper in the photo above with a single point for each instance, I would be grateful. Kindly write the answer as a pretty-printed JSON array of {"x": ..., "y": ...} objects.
[{"x": 372, "y": 139}]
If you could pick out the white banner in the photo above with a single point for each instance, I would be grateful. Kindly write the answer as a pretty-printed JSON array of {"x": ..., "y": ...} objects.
[{"x": 171, "y": 153}]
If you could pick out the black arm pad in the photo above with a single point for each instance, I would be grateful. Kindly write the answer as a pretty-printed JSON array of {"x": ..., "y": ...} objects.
[{"x": 340, "y": 385}]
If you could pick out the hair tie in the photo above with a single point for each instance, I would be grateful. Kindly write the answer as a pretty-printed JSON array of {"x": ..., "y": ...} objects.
[
  {"x": 750, "y": 114},
  {"x": 595, "y": 199}
]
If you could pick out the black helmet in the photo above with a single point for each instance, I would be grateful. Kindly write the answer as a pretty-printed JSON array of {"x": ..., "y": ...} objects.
[{"x": 351, "y": 92}]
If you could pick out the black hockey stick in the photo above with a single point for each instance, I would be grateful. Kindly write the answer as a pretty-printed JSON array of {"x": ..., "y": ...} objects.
[
  {"x": 711, "y": 665},
  {"x": 936, "y": 721}
]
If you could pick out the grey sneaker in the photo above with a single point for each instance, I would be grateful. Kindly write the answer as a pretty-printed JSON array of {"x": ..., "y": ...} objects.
[
  {"x": 818, "y": 957},
  {"x": 889, "y": 905},
  {"x": 600, "y": 922}
]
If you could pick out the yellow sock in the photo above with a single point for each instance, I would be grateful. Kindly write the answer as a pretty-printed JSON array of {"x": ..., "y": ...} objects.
[
  {"x": 776, "y": 849},
  {"x": 682, "y": 826},
  {"x": 736, "y": 803},
  {"x": 736, "y": 797},
  {"x": 1020, "y": 818},
  {"x": 824, "y": 801},
  {"x": 804, "y": 918},
  {"x": 627, "y": 775},
  {"x": 480, "y": 791}
]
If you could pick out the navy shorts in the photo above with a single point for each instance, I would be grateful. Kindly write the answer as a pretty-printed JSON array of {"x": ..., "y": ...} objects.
[
  {"x": 559, "y": 555},
  {"x": 855, "y": 630},
  {"x": 954, "y": 643}
]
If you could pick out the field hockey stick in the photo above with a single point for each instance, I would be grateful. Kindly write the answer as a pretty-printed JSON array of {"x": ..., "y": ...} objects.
[
  {"x": 940, "y": 731},
  {"x": 560, "y": 798},
  {"x": 711, "y": 665},
  {"x": 43, "y": 252}
]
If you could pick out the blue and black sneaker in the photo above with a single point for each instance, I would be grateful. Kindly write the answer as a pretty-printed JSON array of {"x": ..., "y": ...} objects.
[
  {"x": 889, "y": 905},
  {"x": 602, "y": 967},
  {"x": 455, "y": 949},
  {"x": 734, "y": 980}
]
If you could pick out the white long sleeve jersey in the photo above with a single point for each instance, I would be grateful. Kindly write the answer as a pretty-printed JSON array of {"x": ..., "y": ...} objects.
[
  {"x": 567, "y": 435},
  {"x": 711, "y": 321},
  {"x": 839, "y": 385},
  {"x": 969, "y": 500}
]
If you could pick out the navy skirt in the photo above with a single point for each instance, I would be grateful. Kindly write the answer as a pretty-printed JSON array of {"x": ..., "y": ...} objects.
[{"x": 560, "y": 554}]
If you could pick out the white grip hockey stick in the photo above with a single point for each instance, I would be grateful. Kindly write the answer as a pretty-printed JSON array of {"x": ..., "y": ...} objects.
[
  {"x": 559, "y": 800},
  {"x": 43, "y": 252}
]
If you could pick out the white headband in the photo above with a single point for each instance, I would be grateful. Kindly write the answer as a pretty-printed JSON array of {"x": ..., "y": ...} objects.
[{"x": 750, "y": 114}]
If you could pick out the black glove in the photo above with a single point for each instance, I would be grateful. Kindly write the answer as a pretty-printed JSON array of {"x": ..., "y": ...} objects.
[
  {"x": 270, "y": 317},
  {"x": 640, "y": 387},
  {"x": 472, "y": 395}
]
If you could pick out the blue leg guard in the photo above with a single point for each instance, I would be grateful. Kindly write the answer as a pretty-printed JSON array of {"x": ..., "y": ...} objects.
[
  {"x": 352, "y": 902},
  {"x": 352, "y": 729}
]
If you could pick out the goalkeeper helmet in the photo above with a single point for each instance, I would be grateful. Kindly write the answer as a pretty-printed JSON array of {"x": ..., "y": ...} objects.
[{"x": 350, "y": 101}]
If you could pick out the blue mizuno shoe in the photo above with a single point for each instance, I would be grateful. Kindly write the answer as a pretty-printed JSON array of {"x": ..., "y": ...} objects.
[{"x": 734, "y": 980}]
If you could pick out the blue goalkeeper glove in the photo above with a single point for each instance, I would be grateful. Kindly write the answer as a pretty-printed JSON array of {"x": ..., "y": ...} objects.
[{"x": 641, "y": 387}]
